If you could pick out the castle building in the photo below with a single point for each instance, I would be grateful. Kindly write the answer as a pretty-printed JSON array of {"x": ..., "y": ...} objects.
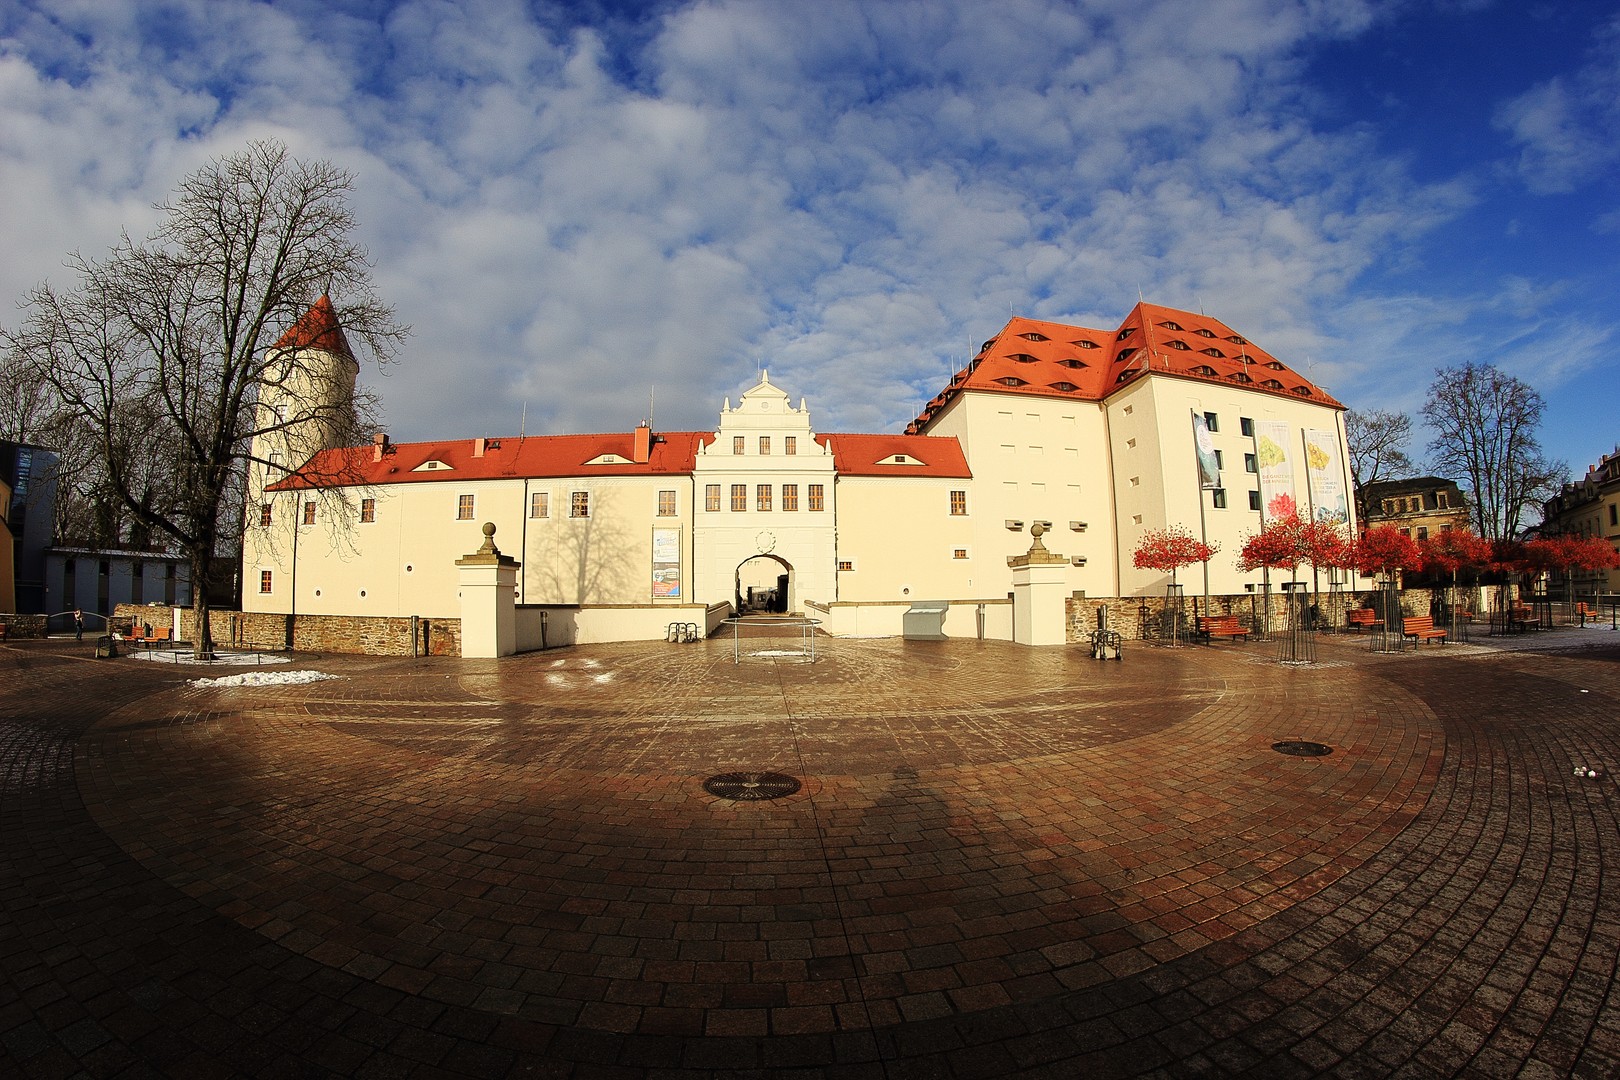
[
  {"x": 1169, "y": 420},
  {"x": 1589, "y": 506}
]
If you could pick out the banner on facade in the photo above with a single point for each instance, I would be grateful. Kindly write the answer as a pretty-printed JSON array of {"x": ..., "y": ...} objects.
[
  {"x": 1209, "y": 466},
  {"x": 1274, "y": 461},
  {"x": 666, "y": 564},
  {"x": 1329, "y": 500}
]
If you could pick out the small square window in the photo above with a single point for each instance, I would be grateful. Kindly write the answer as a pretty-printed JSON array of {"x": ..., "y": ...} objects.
[
  {"x": 790, "y": 496},
  {"x": 579, "y": 504},
  {"x": 1218, "y": 498},
  {"x": 464, "y": 508},
  {"x": 816, "y": 498},
  {"x": 666, "y": 504},
  {"x": 764, "y": 497},
  {"x": 959, "y": 553},
  {"x": 711, "y": 497},
  {"x": 368, "y": 510},
  {"x": 958, "y": 503},
  {"x": 1212, "y": 421},
  {"x": 846, "y": 564},
  {"x": 739, "y": 497},
  {"x": 1245, "y": 426},
  {"x": 539, "y": 504}
]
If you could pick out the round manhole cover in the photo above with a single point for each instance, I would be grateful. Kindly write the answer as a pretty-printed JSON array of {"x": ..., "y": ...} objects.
[
  {"x": 1295, "y": 748},
  {"x": 751, "y": 786}
]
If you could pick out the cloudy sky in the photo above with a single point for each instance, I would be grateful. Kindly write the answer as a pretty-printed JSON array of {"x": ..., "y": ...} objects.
[{"x": 583, "y": 206}]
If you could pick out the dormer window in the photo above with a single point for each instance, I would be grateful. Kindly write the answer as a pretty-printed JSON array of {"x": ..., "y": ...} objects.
[
  {"x": 987, "y": 344},
  {"x": 1071, "y": 363},
  {"x": 1213, "y": 352},
  {"x": 1084, "y": 344},
  {"x": 1302, "y": 391},
  {"x": 1024, "y": 358},
  {"x": 1203, "y": 369},
  {"x": 1272, "y": 384},
  {"x": 1234, "y": 339},
  {"x": 1276, "y": 366},
  {"x": 1010, "y": 380},
  {"x": 1125, "y": 333},
  {"x": 1168, "y": 325},
  {"x": 1201, "y": 332},
  {"x": 432, "y": 465},
  {"x": 1032, "y": 336},
  {"x": 609, "y": 459},
  {"x": 1066, "y": 387},
  {"x": 1240, "y": 377},
  {"x": 1179, "y": 346}
]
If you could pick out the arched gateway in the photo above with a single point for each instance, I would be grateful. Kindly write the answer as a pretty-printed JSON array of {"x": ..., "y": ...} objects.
[{"x": 764, "y": 585}]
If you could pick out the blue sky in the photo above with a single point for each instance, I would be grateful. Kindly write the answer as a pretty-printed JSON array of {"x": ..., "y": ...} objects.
[{"x": 577, "y": 206}]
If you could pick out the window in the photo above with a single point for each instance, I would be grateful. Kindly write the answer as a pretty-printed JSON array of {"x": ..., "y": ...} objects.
[
  {"x": 711, "y": 497},
  {"x": 1423, "y": 534},
  {"x": 1212, "y": 421},
  {"x": 368, "y": 510},
  {"x": 309, "y": 513},
  {"x": 816, "y": 492},
  {"x": 790, "y": 445},
  {"x": 1218, "y": 498},
  {"x": 1614, "y": 514},
  {"x": 666, "y": 504},
  {"x": 739, "y": 445},
  {"x": 790, "y": 496},
  {"x": 959, "y": 553},
  {"x": 846, "y": 564},
  {"x": 1220, "y": 462},
  {"x": 264, "y": 581},
  {"x": 763, "y": 495},
  {"x": 579, "y": 504},
  {"x": 264, "y": 513},
  {"x": 1245, "y": 426},
  {"x": 1249, "y": 464},
  {"x": 958, "y": 503},
  {"x": 464, "y": 508},
  {"x": 739, "y": 496},
  {"x": 1254, "y": 500},
  {"x": 764, "y": 446},
  {"x": 540, "y": 504}
]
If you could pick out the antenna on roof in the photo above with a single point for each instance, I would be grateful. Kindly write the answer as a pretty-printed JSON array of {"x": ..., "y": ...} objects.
[
  {"x": 524, "y": 422},
  {"x": 652, "y": 393}
]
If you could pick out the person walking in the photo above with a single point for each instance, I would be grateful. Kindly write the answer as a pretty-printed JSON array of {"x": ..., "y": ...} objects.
[{"x": 78, "y": 624}]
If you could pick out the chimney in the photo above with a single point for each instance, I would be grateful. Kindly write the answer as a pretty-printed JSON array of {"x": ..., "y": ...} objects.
[
  {"x": 643, "y": 444},
  {"x": 478, "y": 447},
  {"x": 379, "y": 445}
]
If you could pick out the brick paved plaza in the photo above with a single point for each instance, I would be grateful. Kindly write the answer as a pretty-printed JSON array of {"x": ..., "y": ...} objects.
[{"x": 1001, "y": 862}]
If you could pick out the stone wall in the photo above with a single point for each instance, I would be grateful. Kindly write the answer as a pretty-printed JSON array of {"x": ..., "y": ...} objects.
[
  {"x": 1125, "y": 614},
  {"x": 26, "y": 626},
  {"x": 369, "y": 635}
]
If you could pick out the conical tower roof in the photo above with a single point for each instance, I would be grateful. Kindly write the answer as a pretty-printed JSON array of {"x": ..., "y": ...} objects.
[{"x": 318, "y": 329}]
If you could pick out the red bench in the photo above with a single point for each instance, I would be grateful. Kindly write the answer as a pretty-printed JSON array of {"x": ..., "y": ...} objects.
[
  {"x": 1226, "y": 626},
  {"x": 1363, "y": 618},
  {"x": 1422, "y": 628}
]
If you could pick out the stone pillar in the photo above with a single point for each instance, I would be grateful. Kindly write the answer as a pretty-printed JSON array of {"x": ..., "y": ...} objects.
[
  {"x": 1040, "y": 607},
  {"x": 488, "y": 582}
]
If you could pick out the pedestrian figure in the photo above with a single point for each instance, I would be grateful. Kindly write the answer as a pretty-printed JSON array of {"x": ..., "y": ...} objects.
[{"x": 78, "y": 624}]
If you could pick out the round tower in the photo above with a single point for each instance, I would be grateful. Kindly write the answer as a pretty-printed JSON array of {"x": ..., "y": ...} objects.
[{"x": 306, "y": 397}]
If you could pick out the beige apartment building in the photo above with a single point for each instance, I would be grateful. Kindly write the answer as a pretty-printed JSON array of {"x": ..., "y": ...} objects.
[
  {"x": 1589, "y": 506},
  {"x": 1171, "y": 419}
]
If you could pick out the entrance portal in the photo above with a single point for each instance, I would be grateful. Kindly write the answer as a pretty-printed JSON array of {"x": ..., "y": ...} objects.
[{"x": 764, "y": 585}]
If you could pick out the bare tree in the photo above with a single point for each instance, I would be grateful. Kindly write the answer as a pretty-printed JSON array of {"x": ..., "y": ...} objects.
[
  {"x": 1377, "y": 442},
  {"x": 1485, "y": 425},
  {"x": 159, "y": 352}
]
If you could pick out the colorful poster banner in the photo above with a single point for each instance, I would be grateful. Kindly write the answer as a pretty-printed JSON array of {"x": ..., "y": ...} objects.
[
  {"x": 1329, "y": 501},
  {"x": 666, "y": 564},
  {"x": 1209, "y": 468},
  {"x": 1274, "y": 460}
]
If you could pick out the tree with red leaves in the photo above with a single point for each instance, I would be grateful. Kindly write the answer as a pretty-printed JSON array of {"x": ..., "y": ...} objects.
[
  {"x": 1453, "y": 551},
  {"x": 1168, "y": 550},
  {"x": 1384, "y": 549},
  {"x": 1288, "y": 541}
]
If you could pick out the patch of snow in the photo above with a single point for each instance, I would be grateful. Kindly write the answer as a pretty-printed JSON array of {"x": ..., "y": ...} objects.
[
  {"x": 186, "y": 656},
  {"x": 264, "y": 678}
]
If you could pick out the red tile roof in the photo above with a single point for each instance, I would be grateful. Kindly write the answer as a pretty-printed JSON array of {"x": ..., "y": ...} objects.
[
  {"x": 1047, "y": 359},
  {"x": 533, "y": 457},
  {"x": 873, "y": 455},
  {"x": 317, "y": 329}
]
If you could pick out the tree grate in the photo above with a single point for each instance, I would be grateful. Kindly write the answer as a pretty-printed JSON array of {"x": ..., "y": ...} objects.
[{"x": 751, "y": 786}]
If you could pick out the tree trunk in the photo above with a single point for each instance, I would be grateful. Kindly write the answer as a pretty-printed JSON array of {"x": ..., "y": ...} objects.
[{"x": 202, "y": 632}]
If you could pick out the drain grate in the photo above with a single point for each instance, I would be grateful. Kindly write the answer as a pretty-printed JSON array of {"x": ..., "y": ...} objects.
[
  {"x": 1295, "y": 748},
  {"x": 751, "y": 786}
]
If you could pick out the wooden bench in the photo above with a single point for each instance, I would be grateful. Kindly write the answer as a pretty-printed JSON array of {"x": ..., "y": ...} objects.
[
  {"x": 1584, "y": 611},
  {"x": 140, "y": 636},
  {"x": 1226, "y": 626},
  {"x": 1421, "y": 627},
  {"x": 1363, "y": 618}
]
